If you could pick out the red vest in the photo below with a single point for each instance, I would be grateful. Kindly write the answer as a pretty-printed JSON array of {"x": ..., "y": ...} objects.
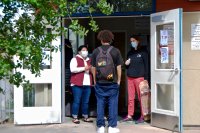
[{"x": 77, "y": 78}]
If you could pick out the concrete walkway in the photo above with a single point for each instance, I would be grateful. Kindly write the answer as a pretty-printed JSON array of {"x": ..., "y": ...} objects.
[{"x": 69, "y": 127}]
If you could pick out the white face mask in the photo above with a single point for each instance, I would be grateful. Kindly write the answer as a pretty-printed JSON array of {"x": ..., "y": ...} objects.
[
  {"x": 134, "y": 44},
  {"x": 84, "y": 54}
]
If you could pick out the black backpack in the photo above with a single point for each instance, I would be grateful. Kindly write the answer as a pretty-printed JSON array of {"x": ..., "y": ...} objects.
[{"x": 105, "y": 68}]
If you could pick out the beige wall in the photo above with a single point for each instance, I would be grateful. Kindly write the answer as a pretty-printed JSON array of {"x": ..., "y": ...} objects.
[{"x": 191, "y": 73}]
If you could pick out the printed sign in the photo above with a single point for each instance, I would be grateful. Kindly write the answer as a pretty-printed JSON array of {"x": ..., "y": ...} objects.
[
  {"x": 195, "y": 29},
  {"x": 170, "y": 30},
  {"x": 164, "y": 55},
  {"x": 195, "y": 36},
  {"x": 195, "y": 43},
  {"x": 163, "y": 37}
]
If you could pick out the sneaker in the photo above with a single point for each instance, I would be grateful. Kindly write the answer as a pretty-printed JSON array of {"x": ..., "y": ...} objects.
[
  {"x": 113, "y": 130},
  {"x": 101, "y": 130}
]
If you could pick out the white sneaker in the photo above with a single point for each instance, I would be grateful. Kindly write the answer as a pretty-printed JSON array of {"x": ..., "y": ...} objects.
[
  {"x": 101, "y": 130},
  {"x": 113, "y": 130}
]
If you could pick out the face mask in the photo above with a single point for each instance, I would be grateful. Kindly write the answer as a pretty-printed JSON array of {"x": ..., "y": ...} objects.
[
  {"x": 84, "y": 54},
  {"x": 134, "y": 44}
]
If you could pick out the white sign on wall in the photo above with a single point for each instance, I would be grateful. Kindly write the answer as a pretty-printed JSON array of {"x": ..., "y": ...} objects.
[
  {"x": 195, "y": 28},
  {"x": 195, "y": 43},
  {"x": 195, "y": 36}
]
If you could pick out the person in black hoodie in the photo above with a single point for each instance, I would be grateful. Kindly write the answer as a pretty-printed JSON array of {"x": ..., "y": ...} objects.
[{"x": 137, "y": 71}]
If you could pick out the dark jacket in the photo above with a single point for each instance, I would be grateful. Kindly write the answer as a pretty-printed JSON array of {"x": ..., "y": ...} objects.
[{"x": 138, "y": 66}]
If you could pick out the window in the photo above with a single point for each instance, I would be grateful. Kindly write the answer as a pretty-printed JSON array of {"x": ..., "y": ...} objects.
[
  {"x": 47, "y": 63},
  {"x": 39, "y": 95}
]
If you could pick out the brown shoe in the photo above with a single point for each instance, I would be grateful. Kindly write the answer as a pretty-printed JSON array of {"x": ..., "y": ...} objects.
[
  {"x": 87, "y": 120},
  {"x": 76, "y": 121}
]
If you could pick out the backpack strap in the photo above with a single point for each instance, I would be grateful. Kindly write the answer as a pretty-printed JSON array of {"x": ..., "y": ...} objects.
[
  {"x": 100, "y": 49},
  {"x": 108, "y": 50}
]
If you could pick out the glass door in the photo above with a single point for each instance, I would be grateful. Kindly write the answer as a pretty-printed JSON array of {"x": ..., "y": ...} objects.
[
  {"x": 166, "y": 69},
  {"x": 41, "y": 104}
]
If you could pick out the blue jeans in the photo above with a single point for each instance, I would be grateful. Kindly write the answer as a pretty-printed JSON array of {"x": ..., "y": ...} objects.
[
  {"x": 81, "y": 95},
  {"x": 107, "y": 93}
]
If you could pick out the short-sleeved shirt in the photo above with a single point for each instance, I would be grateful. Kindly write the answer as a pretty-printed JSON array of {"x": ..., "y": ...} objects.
[{"x": 115, "y": 53}]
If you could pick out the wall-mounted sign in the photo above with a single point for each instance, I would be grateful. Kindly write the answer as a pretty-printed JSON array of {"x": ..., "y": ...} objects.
[
  {"x": 195, "y": 29},
  {"x": 195, "y": 36},
  {"x": 195, "y": 43}
]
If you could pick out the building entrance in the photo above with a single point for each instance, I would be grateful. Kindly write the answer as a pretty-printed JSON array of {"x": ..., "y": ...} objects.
[{"x": 122, "y": 27}]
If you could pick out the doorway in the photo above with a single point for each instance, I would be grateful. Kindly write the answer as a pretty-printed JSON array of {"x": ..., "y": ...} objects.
[{"x": 122, "y": 28}]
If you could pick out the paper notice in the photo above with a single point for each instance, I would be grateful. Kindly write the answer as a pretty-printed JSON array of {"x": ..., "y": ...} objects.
[
  {"x": 163, "y": 37},
  {"x": 164, "y": 55}
]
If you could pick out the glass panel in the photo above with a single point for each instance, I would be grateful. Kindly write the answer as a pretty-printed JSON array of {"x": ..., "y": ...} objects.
[
  {"x": 121, "y": 6},
  {"x": 165, "y": 96},
  {"x": 165, "y": 46},
  {"x": 47, "y": 63},
  {"x": 39, "y": 95},
  {"x": 131, "y": 5}
]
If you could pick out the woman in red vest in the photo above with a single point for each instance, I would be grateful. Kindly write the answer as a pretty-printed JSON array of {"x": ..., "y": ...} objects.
[{"x": 81, "y": 81}]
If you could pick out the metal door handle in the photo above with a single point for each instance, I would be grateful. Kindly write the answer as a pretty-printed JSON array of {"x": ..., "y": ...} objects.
[{"x": 176, "y": 70}]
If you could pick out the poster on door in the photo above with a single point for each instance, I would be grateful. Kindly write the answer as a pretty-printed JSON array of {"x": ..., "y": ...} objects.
[
  {"x": 170, "y": 30},
  {"x": 163, "y": 37},
  {"x": 164, "y": 54}
]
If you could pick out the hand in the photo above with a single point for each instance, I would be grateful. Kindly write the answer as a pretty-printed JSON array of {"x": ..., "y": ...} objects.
[
  {"x": 128, "y": 62},
  {"x": 87, "y": 68}
]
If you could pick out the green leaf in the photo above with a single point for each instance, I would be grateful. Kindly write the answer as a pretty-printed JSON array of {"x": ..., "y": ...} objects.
[{"x": 26, "y": 36}]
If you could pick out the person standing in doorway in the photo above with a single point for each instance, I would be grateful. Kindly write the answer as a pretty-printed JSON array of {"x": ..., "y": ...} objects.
[
  {"x": 137, "y": 71},
  {"x": 81, "y": 81},
  {"x": 106, "y": 69}
]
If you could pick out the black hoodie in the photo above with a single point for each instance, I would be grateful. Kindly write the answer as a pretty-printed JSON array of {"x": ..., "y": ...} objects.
[{"x": 138, "y": 66}]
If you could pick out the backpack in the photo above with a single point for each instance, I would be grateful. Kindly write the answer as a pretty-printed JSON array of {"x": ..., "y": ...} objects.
[{"x": 105, "y": 68}]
